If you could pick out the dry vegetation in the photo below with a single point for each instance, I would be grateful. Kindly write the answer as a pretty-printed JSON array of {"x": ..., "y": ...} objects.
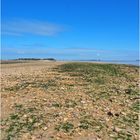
[{"x": 69, "y": 101}]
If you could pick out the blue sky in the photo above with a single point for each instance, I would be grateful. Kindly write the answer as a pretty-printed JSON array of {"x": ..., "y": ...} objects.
[{"x": 70, "y": 29}]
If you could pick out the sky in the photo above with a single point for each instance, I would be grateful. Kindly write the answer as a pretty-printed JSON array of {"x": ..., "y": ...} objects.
[{"x": 70, "y": 29}]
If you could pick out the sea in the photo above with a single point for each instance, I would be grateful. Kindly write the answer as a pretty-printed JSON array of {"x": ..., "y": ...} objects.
[{"x": 135, "y": 63}]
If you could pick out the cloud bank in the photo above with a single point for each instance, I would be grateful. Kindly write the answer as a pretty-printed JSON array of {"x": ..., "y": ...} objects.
[
  {"x": 25, "y": 27},
  {"x": 38, "y": 50}
]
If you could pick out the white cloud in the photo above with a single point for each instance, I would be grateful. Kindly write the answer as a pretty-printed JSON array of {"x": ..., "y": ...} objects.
[{"x": 23, "y": 27}]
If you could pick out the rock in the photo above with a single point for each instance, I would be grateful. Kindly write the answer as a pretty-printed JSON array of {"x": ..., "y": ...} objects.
[
  {"x": 65, "y": 119},
  {"x": 79, "y": 133},
  {"x": 83, "y": 102},
  {"x": 110, "y": 100},
  {"x": 128, "y": 91},
  {"x": 44, "y": 99},
  {"x": 117, "y": 114},
  {"x": 25, "y": 116},
  {"x": 109, "y": 113},
  {"x": 123, "y": 113},
  {"x": 45, "y": 128},
  {"x": 116, "y": 129}
]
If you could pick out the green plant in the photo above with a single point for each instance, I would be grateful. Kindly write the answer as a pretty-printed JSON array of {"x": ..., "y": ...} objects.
[
  {"x": 65, "y": 127},
  {"x": 70, "y": 103},
  {"x": 23, "y": 119},
  {"x": 56, "y": 105},
  {"x": 85, "y": 124}
]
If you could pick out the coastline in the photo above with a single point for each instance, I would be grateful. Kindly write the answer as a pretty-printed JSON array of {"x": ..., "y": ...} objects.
[{"x": 123, "y": 62}]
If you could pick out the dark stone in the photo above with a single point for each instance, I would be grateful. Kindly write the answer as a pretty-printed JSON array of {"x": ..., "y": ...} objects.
[
  {"x": 109, "y": 113},
  {"x": 110, "y": 100},
  {"x": 116, "y": 114},
  {"x": 128, "y": 91}
]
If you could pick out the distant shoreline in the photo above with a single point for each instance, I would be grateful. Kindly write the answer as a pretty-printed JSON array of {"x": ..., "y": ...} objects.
[
  {"x": 131, "y": 62},
  {"x": 127, "y": 62}
]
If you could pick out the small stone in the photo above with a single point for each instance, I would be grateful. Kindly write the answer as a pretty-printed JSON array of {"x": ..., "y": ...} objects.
[
  {"x": 123, "y": 113},
  {"x": 83, "y": 102},
  {"x": 33, "y": 138},
  {"x": 109, "y": 113},
  {"x": 45, "y": 128},
  {"x": 116, "y": 129},
  {"x": 111, "y": 135},
  {"x": 30, "y": 100},
  {"x": 25, "y": 116},
  {"x": 62, "y": 88},
  {"x": 128, "y": 91},
  {"x": 65, "y": 119},
  {"x": 44, "y": 99},
  {"x": 60, "y": 113},
  {"x": 117, "y": 114},
  {"x": 110, "y": 100},
  {"x": 79, "y": 133}
]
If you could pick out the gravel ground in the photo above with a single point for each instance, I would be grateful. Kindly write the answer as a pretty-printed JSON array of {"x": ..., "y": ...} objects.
[{"x": 42, "y": 100}]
